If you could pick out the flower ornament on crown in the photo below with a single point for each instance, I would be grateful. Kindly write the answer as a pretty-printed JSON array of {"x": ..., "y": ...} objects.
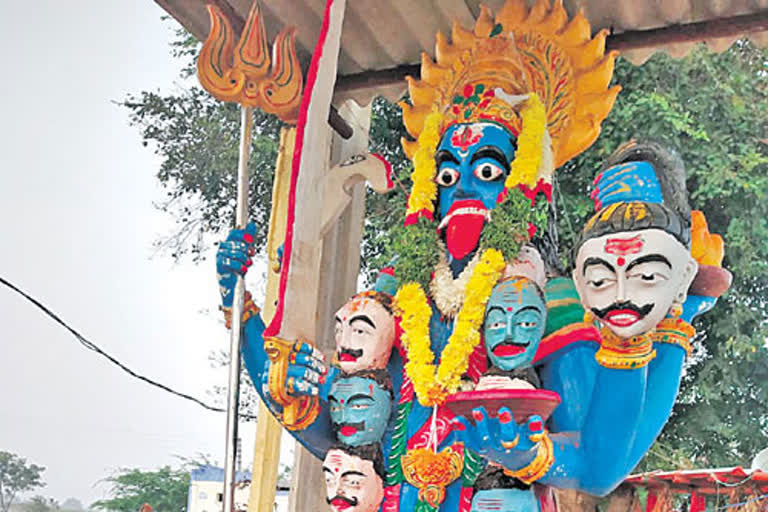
[{"x": 532, "y": 71}]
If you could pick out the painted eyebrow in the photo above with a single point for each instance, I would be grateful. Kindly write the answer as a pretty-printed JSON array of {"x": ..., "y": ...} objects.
[
  {"x": 490, "y": 152},
  {"x": 648, "y": 258},
  {"x": 530, "y": 308},
  {"x": 348, "y": 473},
  {"x": 445, "y": 156},
  {"x": 496, "y": 307},
  {"x": 362, "y": 318},
  {"x": 596, "y": 261},
  {"x": 358, "y": 396},
  {"x": 326, "y": 469},
  {"x": 338, "y": 318}
]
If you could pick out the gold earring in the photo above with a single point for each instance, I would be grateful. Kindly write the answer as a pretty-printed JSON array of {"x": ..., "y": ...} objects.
[
  {"x": 589, "y": 317},
  {"x": 676, "y": 310}
]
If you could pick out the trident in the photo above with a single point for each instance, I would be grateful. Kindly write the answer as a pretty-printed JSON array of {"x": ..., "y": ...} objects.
[{"x": 242, "y": 74}]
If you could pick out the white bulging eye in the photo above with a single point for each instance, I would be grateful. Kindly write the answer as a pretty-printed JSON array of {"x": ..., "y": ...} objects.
[
  {"x": 447, "y": 177},
  {"x": 497, "y": 325},
  {"x": 530, "y": 324},
  {"x": 487, "y": 171}
]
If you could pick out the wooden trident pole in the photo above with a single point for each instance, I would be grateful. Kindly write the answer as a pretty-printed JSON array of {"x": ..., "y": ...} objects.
[{"x": 242, "y": 74}]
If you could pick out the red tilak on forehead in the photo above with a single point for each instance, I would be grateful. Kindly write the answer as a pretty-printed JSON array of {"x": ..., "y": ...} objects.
[
  {"x": 466, "y": 136},
  {"x": 624, "y": 246},
  {"x": 334, "y": 459}
]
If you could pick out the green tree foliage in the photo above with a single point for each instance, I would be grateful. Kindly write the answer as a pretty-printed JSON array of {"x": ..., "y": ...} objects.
[
  {"x": 713, "y": 109},
  {"x": 165, "y": 489},
  {"x": 41, "y": 504},
  {"x": 17, "y": 476}
]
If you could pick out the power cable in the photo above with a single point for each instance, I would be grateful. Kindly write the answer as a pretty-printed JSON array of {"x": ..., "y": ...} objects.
[{"x": 92, "y": 346}]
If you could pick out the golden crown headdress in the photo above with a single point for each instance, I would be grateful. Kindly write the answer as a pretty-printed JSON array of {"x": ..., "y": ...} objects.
[{"x": 525, "y": 61}]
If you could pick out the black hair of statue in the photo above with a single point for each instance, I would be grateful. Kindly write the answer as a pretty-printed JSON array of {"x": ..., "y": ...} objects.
[
  {"x": 371, "y": 452},
  {"x": 672, "y": 217}
]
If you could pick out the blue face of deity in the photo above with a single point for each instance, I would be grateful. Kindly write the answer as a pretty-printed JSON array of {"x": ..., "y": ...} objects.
[
  {"x": 472, "y": 163},
  {"x": 515, "y": 318},
  {"x": 505, "y": 499},
  {"x": 360, "y": 410}
]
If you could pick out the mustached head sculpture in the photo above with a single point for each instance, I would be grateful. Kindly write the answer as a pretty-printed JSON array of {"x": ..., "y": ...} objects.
[
  {"x": 360, "y": 406},
  {"x": 633, "y": 262},
  {"x": 365, "y": 332},
  {"x": 516, "y": 313},
  {"x": 354, "y": 478}
]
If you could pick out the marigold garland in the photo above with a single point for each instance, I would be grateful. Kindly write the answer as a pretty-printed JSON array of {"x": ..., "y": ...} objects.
[
  {"x": 432, "y": 384},
  {"x": 424, "y": 190},
  {"x": 529, "y": 153}
]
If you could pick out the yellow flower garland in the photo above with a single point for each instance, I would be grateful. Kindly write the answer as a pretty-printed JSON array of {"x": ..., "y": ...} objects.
[
  {"x": 525, "y": 166},
  {"x": 424, "y": 188},
  {"x": 432, "y": 384}
]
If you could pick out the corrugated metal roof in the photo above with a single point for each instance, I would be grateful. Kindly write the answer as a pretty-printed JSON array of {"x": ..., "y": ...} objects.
[{"x": 383, "y": 34}]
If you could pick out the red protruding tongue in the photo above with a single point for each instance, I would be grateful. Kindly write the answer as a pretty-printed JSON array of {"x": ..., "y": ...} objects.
[
  {"x": 508, "y": 350},
  {"x": 463, "y": 234},
  {"x": 348, "y": 431},
  {"x": 346, "y": 357}
]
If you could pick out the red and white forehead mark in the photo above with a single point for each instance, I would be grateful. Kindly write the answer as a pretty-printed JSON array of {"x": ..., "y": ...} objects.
[
  {"x": 335, "y": 460},
  {"x": 466, "y": 136},
  {"x": 622, "y": 247}
]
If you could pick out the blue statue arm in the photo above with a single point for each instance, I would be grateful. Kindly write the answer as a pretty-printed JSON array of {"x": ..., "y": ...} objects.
[
  {"x": 597, "y": 432},
  {"x": 664, "y": 373},
  {"x": 317, "y": 437},
  {"x": 307, "y": 373}
]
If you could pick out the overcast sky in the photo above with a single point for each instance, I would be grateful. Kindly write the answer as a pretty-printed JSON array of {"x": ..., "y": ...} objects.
[{"x": 77, "y": 223}]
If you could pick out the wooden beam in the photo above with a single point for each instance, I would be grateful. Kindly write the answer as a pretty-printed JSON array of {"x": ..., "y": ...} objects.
[
  {"x": 684, "y": 33},
  {"x": 378, "y": 78},
  {"x": 733, "y": 26}
]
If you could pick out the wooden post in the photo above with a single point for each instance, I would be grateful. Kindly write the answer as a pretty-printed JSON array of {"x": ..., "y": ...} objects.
[{"x": 266, "y": 454}]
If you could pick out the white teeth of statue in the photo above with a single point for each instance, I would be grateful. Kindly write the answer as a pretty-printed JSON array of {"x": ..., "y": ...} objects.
[{"x": 469, "y": 210}]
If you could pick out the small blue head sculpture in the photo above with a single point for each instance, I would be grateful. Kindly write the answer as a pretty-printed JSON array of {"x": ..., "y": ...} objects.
[
  {"x": 360, "y": 406},
  {"x": 515, "y": 317}
]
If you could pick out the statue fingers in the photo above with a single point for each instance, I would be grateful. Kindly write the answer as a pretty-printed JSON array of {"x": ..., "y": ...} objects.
[
  {"x": 305, "y": 373},
  {"x": 509, "y": 433},
  {"x": 238, "y": 250},
  {"x": 297, "y": 386},
  {"x": 303, "y": 347},
  {"x": 482, "y": 428},
  {"x": 532, "y": 433},
  {"x": 304, "y": 359},
  {"x": 247, "y": 235},
  {"x": 463, "y": 431}
]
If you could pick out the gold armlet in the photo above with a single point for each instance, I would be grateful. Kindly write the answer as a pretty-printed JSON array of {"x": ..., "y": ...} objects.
[
  {"x": 298, "y": 411},
  {"x": 250, "y": 309},
  {"x": 624, "y": 354},
  {"x": 675, "y": 331},
  {"x": 539, "y": 466}
]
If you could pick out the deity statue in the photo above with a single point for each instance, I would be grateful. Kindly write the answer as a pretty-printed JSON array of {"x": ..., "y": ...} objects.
[{"x": 497, "y": 111}]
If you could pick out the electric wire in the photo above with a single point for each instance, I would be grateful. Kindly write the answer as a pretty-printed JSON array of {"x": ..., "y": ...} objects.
[{"x": 95, "y": 348}]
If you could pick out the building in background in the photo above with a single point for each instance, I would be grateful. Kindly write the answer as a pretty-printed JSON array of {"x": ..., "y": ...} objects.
[{"x": 206, "y": 491}]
